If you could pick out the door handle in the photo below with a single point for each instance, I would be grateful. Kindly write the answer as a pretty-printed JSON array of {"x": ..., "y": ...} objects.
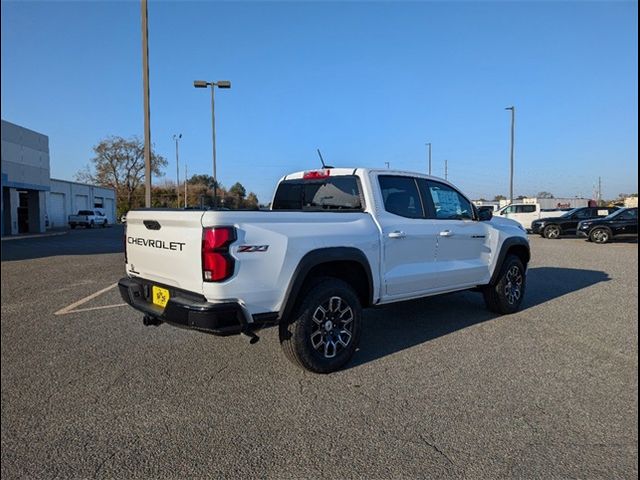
[
  {"x": 397, "y": 234},
  {"x": 446, "y": 233}
]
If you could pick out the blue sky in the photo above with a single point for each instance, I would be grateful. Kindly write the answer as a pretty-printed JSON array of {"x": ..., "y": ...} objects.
[{"x": 368, "y": 83}]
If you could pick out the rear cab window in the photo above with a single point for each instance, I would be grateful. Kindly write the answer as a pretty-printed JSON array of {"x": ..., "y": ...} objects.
[
  {"x": 400, "y": 196},
  {"x": 340, "y": 193}
]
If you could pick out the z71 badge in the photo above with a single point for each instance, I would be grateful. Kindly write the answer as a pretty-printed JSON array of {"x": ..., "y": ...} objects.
[{"x": 252, "y": 248}]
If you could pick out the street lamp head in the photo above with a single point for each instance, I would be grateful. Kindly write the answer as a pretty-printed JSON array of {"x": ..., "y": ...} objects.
[
  {"x": 223, "y": 84},
  {"x": 200, "y": 84},
  {"x": 509, "y": 108}
]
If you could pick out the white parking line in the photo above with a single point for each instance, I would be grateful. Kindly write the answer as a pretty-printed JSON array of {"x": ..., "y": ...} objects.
[{"x": 70, "y": 308}]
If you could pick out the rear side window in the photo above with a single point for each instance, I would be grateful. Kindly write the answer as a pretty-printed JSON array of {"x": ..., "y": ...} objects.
[
  {"x": 400, "y": 196},
  {"x": 85, "y": 212},
  {"x": 629, "y": 215},
  {"x": 338, "y": 193},
  {"x": 525, "y": 209},
  {"x": 585, "y": 213}
]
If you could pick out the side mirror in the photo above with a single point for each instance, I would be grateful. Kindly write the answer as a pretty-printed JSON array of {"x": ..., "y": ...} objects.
[{"x": 485, "y": 214}]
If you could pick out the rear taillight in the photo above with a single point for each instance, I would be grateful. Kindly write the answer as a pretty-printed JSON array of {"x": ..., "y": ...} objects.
[{"x": 217, "y": 262}]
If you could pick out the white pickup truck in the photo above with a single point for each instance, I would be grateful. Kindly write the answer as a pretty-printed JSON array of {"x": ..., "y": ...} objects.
[
  {"x": 526, "y": 213},
  {"x": 88, "y": 219},
  {"x": 334, "y": 242}
]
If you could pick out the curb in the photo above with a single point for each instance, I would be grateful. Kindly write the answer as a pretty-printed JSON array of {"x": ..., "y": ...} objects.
[{"x": 24, "y": 237}]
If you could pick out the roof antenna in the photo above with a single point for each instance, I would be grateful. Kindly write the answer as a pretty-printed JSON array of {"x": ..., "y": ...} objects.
[{"x": 322, "y": 160}]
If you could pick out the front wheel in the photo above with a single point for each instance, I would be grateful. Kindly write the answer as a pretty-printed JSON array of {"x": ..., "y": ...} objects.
[
  {"x": 600, "y": 235},
  {"x": 325, "y": 328},
  {"x": 506, "y": 295},
  {"x": 551, "y": 232}
]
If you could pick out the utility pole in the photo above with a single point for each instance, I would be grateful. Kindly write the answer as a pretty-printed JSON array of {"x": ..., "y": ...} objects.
[
  {"x": 387, "y": 164},
  {"x": 147, "y": 121},
  {"x": 446, "y": 169},
  {"x": 176, "y": 138},
  {"x": 429, "y": 145},
  {"x": 599, "y": 190},
  {"x": 185, "y": 185},
  {"x": 513, "y": 127}
]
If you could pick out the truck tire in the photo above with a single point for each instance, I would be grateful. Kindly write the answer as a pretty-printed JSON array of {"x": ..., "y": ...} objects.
[
  {"x": 72, "y": 225},
  {"x": 324, "y": 330},
  {"x": 91, "y": 224},
  {"x": 506, "y": 295},
  {"x": 600, "y": 235},
  {"x": 551, "y": 232}
]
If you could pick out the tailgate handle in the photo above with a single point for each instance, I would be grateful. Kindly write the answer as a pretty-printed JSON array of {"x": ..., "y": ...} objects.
[{"x": 151, "y": 224}]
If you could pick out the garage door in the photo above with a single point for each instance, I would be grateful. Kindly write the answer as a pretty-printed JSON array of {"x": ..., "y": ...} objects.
[
  {"x": 81, "y": 203},
  {"x": 56, "y": 211},
  {"x": 109, "y": 209}
]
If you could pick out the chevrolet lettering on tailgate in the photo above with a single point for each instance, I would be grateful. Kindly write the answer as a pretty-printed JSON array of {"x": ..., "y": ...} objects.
[{"x": 146, "y": 242}]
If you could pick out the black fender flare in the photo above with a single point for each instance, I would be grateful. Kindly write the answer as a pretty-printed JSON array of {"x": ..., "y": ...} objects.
[
  {"x": 504, "y": 249},
  {"x": 318, "y": 257}
]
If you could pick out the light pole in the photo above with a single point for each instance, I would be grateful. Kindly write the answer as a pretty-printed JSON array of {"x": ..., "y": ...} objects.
[
  {"x": 429, "y": 145},
  {"x": 176, "y": 138},
  {"x": 145, "y": 94},
  {"x": 513, "y": 127},
  {"x": 213, "y": 85}
]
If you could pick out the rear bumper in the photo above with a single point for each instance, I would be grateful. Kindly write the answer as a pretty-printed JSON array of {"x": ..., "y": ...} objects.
[{"x": 187, "y": 310}]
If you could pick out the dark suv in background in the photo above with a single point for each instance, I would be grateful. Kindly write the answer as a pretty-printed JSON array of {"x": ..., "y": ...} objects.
[
  {"x": 623, "y": 222},
  {"x": 567, "y": 224}
]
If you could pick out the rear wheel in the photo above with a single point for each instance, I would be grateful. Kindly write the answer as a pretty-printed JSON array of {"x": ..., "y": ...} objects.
[
  {"x": 506, "y": 295},
  {"x": 72, "y": 225},
  {"x": 551, "y": 232},
  {"x": 91, "y": 225},
  {"x": 325, "y": 328},
  {"x": 600, "y": 235}
]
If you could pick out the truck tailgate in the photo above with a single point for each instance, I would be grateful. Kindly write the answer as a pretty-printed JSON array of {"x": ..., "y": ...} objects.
[{"x": 165, "y": 247}]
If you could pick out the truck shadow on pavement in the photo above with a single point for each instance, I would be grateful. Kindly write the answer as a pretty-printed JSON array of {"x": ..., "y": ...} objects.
[
  {"x": 74, "y": 242},
  {"x": 392, "y": 328}
]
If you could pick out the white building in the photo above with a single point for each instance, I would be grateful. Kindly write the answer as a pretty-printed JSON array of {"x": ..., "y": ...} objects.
[
  {"x": 66, "y": 198},
  {"x": 31, "y": 200}
]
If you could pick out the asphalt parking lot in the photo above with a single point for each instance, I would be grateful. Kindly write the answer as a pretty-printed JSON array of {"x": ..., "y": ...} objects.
[{"x": 440, "y": 388}]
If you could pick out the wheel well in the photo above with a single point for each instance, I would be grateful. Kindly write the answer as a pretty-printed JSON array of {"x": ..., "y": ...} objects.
[
  {"x": 521, "y": 252},
  {"x": 351, "y": 272}
]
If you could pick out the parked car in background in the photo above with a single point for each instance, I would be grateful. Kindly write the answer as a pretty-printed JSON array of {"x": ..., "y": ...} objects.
[
  {"x": 526, "y": 213},
  {"x": 88, "y": 219},
  {"x": 621, "y": 223},
  {"x": 567, "y": 224}
]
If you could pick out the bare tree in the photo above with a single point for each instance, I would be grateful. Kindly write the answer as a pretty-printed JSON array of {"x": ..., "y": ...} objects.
[
  {"x": 119, "y": 164},
  {"x": 545, "y": 195}
]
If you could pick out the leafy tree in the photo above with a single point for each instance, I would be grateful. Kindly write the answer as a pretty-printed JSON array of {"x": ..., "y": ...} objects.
[
  {"x": 238, "y": 190},
  {"x": 251, "y": 201},
  {"x": 203, "y": 179},
  {"x": 497, "y": 198},
  {"x": 545, "y": 195},
  {"x": 119, "y": 164}
]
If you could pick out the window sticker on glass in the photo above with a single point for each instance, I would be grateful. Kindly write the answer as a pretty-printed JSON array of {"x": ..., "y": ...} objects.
[{"x": 603, "y": 212}]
